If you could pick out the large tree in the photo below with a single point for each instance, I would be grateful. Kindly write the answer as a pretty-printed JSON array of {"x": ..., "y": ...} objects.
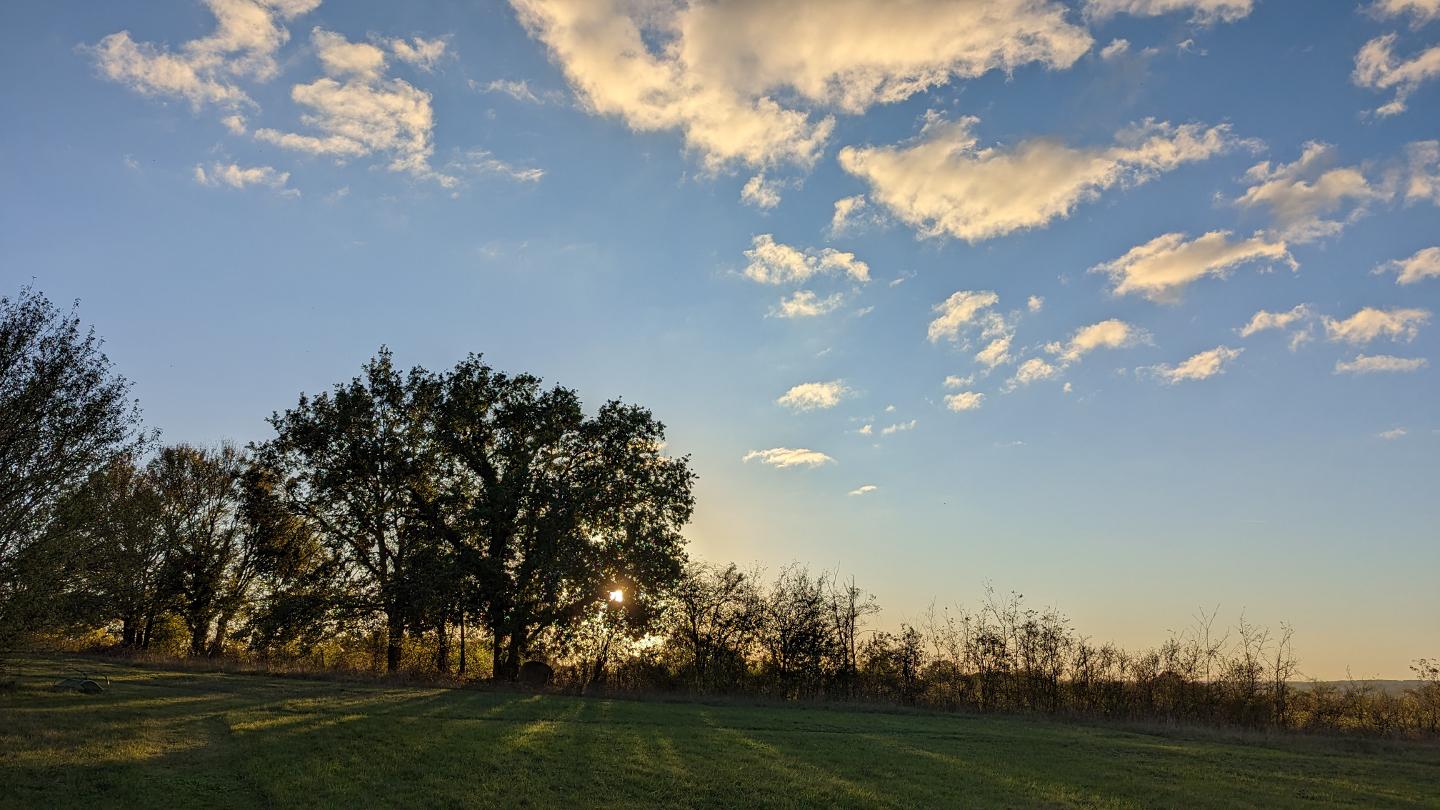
[
  {"x": 211, "y": 560},
  {"x": 348, "y": 462},
  {"x": 64, "y": 413},
  {"x": 550, "y": 510}
]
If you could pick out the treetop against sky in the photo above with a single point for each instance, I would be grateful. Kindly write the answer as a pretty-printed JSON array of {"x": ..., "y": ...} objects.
[{"x": 1127, "y": 304}]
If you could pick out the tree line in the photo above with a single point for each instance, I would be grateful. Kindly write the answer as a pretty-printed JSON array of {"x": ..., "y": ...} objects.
[{"x": 460, "y": 524}]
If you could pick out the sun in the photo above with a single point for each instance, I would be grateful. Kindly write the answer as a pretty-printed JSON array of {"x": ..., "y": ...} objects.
[{"x": 617, "y": 596}]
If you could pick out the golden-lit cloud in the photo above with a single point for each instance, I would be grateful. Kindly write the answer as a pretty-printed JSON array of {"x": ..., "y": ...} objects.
[
  {"x": 204, "y": 71},
  {"x": 1107, "y": 334},
  {"x": 1201, "y": 366},
  {"x": 1377, "y": 67},
  {"x": 1419, "y": 11},
  {"x": 236, "y": 176},
  {"x": 814, "y": 396},
  {"x": 1380, "y": 364},
  {"x": 1033, "y": 370},
  {"x": 1422, "y": 183},
  {"x": 774, "y": 262},
  {"x": 354, "y": 111},
  {"x": 1301, "y": 196},
  {"x": 1424, "y": 264},
  {"x": 944, "y": 183},
  {"x": 752, "y": 82},
  {"x": 1201, "y": 11},
  {"x": 806, "y": 304},
  {"x": 964, "y": 401},
  {"x": 1370, "y": 323},
  {"x": 785, "y": 457},
  {"x": 1264, "y": 320},
  {"x": 958, "y": 311},
  {"x": 995, "y": 353},
  {"x": 1161, "y": 268},
  {"x": 863, "y": 490},
  {"x": 761, "y": 192}
]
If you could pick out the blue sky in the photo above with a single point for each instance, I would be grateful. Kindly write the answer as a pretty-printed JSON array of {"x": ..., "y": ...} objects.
[{"x": 248, "y": 210}]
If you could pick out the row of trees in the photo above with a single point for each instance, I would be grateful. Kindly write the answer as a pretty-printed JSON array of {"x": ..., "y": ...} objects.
[{"x": 390, "y": 521}]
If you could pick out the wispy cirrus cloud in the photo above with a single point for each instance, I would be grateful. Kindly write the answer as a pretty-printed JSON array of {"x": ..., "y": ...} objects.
[
  {"x": 1380, "y": 364},
  {"x": 1202, "y": 12}
]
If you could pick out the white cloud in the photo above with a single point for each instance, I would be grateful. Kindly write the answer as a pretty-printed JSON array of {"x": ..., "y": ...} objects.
[
  {"x": 814, "y": 396},
  {"x": 518, "y": 90},
  {"x": 866, "y": 430},
  {"x": 853, "y": 215},
  {"x": 864, "y": 490},
  {"x": 1378, "y": 68},
  {"x": 761, "y": 192},
  {"x": 481, "y": 161},
  {"x": 1108, "y": 334},
  {"x": 1371, "y": 323},
  {"x": 1419, "y": 11},
  {"x": 1161, "y": 268},
  {"x": 783, "y": 457},
  {"x": 944, "y": 183},
  {"x": 995, "y": 353},
  {"x": 964, "y": 401},
  {"x": 236, "y": 176},
  {"x": 1035, "y": 303},
  {"x": 1424, "y": 264},
  {"x": 1202, "y": 366},
  {"x": 898, "y": 427},
  {"x": 739, "y": 80},
  {"x": 1300, "y": 195},
  {"x": 356, "y": 112},
  {"x": 958, "y": 311},
  {"x": 954, "y": 381},
  {"x": 1391, "y": 434},
  {"x": 1116, "y": 48},
  {"x": 342, "y": 58},
  {"x": 1033, "y": 370},
  {"x": 774, "y": 262},
  {"x": 1203, "y": 12},
  {"x": 1264, "y": 320},
  {"x": 1380, "y": 363},
  {"x": 235, "y": 123},
  {"x": 805, "y": 304},
  {"x": 422, "y": 53},
  {"x": 203, "y": 71},
  {"x": 1423, "y": 182}
]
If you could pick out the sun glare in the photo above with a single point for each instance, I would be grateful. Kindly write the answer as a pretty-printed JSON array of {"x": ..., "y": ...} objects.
[{"x": 617, "y": 596}]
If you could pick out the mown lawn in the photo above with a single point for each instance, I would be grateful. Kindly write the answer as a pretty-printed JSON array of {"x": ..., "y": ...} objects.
[{"x": 173, "y": 739}]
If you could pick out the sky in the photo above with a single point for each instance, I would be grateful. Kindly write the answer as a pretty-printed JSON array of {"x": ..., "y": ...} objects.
[{"x": 1124, "y": 305}]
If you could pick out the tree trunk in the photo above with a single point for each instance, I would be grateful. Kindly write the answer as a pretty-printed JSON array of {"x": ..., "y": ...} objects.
[
  {"x": 149, "y": 630},
  {"x": 394, "y": 641},
  {"x": 462, "y": 643},
  {"x": 128, "y": 632},
  {"x": 217, "y": 647}
]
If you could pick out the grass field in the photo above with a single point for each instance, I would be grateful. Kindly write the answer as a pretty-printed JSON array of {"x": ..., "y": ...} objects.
[{"x": 175, "y": 739}]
